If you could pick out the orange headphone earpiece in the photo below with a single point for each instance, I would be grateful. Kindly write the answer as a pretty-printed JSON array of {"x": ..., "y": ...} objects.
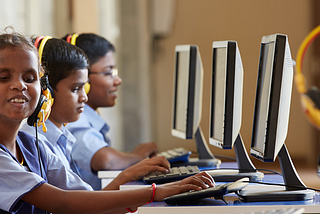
[
  {"x": 310, "y": 99},
  {"x": 43, "y": 109},
  {"x": 72, "y": 40}
]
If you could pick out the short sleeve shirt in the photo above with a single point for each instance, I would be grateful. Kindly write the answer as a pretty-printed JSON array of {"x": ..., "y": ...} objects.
[
  {"x": 17, "y": 180},
  {"x": 90, "y": 133},
  {"x": 59, "y": 141}
]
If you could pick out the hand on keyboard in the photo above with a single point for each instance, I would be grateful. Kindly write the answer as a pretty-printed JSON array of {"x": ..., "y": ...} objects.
[
  {"x": 143, "y": 168},
  {"x": 176, "y": 154},
  {"x": 218, "y": 191},
  {"x": 175, "y": 173},
  {"x": 192, "y": 183}
]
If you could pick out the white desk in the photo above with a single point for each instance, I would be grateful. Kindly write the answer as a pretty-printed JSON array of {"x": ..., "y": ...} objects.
[
  {"x": 107, "y": 176},
  {"x": 235, "y": 205},
  {"x": 209, "y": 206}
]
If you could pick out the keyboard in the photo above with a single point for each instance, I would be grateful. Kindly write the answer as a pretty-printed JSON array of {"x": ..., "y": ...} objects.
[
  {"x": 290, "y": 210},
  {"x": 176, "y": 155},
  {"x": 218, "y": 192},
  {"x": 175, "y": 173}
]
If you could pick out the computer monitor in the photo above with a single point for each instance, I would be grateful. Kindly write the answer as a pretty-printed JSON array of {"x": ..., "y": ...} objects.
[
  {"x": 271, "y": 117},
  {"x": 187, "y": 101},
  {"x": 226, "y": 110}
]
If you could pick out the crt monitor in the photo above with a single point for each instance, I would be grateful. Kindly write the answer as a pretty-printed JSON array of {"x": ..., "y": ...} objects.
[
  {"x": 271, "y": 117},
  {"x": 187, "y": 101},
  {"x": 226, "y": 110}
]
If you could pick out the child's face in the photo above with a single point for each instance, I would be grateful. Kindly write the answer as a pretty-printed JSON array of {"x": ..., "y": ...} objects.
[
  {"x": 69, "y": 98},
  {"x": 19, "y": 84},
  {"x": 103, "y": 86}
]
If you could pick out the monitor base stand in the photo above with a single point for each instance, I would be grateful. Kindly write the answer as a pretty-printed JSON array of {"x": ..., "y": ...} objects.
[
  {"x": 245, "y": 166},
  {"x": 295, "y": 190},
  {"x": 206, "y": 158},
  {"x": 276, "y": 195}
]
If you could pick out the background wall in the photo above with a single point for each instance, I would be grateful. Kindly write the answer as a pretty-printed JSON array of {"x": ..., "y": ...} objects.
[{"x": 201, "y": 23}]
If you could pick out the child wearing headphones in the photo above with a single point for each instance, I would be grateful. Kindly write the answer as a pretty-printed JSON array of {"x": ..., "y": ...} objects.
[
  {"x": 33, "y": 179},
  {"x": 66, "y": 67},
  {"x": 92, "y": 150}
]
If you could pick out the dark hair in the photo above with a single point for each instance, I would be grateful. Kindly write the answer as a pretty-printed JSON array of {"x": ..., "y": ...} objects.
[
  {"x": 16, "y": 40},
  {"x": 60, "y": 59},
  {"x": 94, "y": 46}
]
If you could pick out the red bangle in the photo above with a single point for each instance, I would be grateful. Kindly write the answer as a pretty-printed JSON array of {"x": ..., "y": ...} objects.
[
  {"x": 131, "y": 211},
  {"x": 154, "y": 186}
]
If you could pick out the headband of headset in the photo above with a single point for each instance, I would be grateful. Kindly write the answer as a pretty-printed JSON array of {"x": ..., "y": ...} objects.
[
  {"x": 72, "y": 40},
  {"x": 308, "y": 98},
  {"x": 43, "y": 108}
]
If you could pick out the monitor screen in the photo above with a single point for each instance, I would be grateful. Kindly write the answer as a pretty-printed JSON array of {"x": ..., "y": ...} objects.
[
  {"x": 273, "y": 97},
  {"x": 181, "y": 91},
  {"x": 187, "y": 95},
  {"x": 226, "y": 94}
]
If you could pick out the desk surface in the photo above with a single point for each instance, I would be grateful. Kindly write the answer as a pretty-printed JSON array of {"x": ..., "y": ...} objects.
[
  {"x": 234, "y": 205},
  {"x": 208, "y": 205}
]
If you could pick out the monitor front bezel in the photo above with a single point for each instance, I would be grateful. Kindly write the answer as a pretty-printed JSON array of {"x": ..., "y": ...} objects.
[
  {"x": 193, "y": 51},
  {"x": 228, "y": 91}
]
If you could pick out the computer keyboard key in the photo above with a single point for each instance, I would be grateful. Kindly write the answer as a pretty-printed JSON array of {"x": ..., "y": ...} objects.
[
  {"x": 176, "y": 155},
  {"x": 175, "y": 173}
]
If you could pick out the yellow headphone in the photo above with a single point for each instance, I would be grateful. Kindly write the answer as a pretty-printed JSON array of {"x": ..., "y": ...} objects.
[
  {"x": 72, "y": 40},
  {"x": 310, "y": 100},
  {"x": 43, "y": 109}
]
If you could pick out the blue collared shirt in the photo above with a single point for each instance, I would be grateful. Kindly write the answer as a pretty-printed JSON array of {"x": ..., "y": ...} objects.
[
  {"x": 59, "y": 141},
  {"x": 90, "y": 131},
  {"x": 17, "y": 180}
]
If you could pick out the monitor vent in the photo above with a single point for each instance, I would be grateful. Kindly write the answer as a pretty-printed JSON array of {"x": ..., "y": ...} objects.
[{"x": 288, "y": 58}]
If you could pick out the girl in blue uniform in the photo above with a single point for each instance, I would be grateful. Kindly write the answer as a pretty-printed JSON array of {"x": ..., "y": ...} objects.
[
  {"x": 66, "y": 67},
  {"x": 93, "y": 151},
  {"x": 28, "y": 185}
]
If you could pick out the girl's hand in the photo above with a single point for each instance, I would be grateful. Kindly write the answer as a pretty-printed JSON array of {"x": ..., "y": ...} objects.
[{"x": 196, "y": 182}]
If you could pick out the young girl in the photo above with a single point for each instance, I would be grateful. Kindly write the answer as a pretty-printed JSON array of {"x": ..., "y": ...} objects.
[
  {"x": 93, "y": 152},
  {"x": 25, "y": 186},
  {"x": 67, "y": 69}
]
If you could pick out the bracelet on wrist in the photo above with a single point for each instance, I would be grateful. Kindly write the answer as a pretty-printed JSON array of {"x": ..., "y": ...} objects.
[{"x": 154, "y": 186}]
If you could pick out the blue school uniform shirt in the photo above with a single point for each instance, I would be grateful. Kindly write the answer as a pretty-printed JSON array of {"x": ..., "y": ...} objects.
[
  {"x": 59, "y": 141},
  {"x": 17, "y": 180},
  {"x": 90, "y": 131}
]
